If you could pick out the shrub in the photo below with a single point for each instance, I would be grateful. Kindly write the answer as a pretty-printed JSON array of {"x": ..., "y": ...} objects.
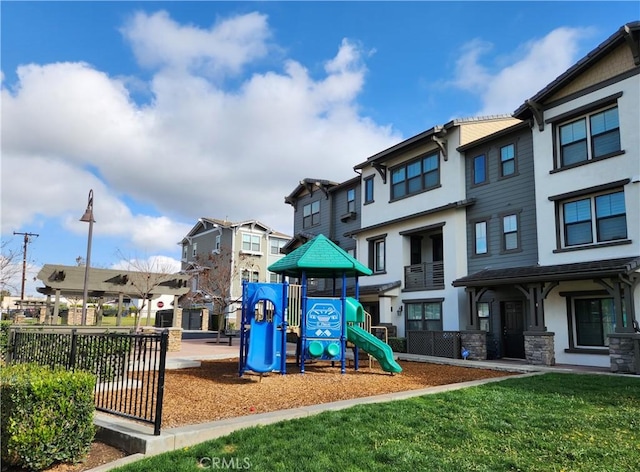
[
  {"x": 104, "y": 355},
  {"x": 4, "y": 340},
  {"x": 398, "y": 344},
  {"x": 46, "y": 415}
]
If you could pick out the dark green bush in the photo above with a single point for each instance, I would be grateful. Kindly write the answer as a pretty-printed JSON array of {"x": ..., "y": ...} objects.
[
  {"x": 398, "y": 344},
  {"x": 4, "y": 340},
  {"x": 46, "y": 415},
  {"x": 106, "y": 356}
]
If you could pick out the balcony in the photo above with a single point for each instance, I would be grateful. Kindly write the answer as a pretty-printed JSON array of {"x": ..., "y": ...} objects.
[{"x": 424, "y": 276}]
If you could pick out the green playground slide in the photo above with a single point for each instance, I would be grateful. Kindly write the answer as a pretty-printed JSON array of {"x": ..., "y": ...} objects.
[{"x": 372, "y": 345}]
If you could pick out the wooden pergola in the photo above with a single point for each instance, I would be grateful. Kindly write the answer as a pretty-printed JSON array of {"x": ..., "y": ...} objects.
[{"x": 103, "y": 284}]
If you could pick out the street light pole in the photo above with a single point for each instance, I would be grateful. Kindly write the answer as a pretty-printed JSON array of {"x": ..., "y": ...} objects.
[{"x": 87, "y": 218}]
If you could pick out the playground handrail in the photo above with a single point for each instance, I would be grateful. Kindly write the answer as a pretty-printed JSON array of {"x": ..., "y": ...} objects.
[{"x": 294, "y": 308}]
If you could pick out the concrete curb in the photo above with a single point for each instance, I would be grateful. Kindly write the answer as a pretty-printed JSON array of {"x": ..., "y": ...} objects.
[{"x": 140, "y": 439}]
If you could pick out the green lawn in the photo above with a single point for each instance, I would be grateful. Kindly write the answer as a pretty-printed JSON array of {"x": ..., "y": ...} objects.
[{"x": 551, "y": 422}]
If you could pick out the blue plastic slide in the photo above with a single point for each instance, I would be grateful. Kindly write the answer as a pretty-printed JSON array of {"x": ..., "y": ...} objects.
[
  {"x": 264, "y": 355},
  {"x": 372, "y": 345},
  {"x": 265, "y": 350}
]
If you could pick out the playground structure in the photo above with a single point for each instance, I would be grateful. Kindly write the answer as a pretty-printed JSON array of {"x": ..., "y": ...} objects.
[{"x": 324, "y": 325}]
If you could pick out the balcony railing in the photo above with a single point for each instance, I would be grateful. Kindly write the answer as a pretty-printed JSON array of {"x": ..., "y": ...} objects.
[{"x": 424, "y": 276}]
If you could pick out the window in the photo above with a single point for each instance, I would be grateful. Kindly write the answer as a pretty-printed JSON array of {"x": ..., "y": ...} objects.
[
  {"x": 510, "y": 232},
  {"x": 479, "y": 169},
  {"x": 483, "y": 315},
  {"x": 424, "y": 316},
  {"x": 276, "y": 245},
  {"x": 351, "y": 200},
  {"x": 507, "y": 160},
  {"x": 594, "y": 321},
  {"x": 251, "y": 242},
  {"x": 194, "y": 251},
  {"x": 217, "y": 245},
  {"x": 311, "y": 214},
  {"x": 415, "y": 176},
  {"x": 481, "y": 237},
  {"x": 275, "y": 278},
  {"x": 609, "y": 224},
  {"x": 377, "y": 255},
  {"x": 250, "y": 276},
  {"x": 368, "y": 190},
  {"x": 590, "y": 137},
  {"x": 185, "y": 251}
]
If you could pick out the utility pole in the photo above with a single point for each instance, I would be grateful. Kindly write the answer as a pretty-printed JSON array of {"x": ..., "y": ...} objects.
[{"x": 24, "y": 259}]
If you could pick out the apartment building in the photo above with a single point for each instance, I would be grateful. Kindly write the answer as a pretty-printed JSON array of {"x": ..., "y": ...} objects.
[
  {"x": 413, "y": 227},
  {"x": 221, "y": 254},
  {"x": 520, "y": 232},
  {"x": 577, "y": 300},
  {"x": 328, "y": 208}
]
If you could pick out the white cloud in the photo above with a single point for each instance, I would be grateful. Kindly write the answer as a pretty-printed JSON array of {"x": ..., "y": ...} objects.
[
  {"x": 195, "y": 148},
  {"x": 229, "y": 45},
  {"x": 538, "y": 62}
]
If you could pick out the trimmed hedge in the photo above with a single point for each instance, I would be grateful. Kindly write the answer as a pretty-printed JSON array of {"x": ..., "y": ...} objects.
[
  {"x": 46, "y": 415},
  {"x": 4, "y": 340},
  {"x": 104, "y": 355}
]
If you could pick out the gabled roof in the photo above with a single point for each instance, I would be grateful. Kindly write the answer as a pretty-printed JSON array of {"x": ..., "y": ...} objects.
[
  {"x": 628, "y": 33},
  {"x": 425, "y": 137},
  {"x": 560, "y": 272},
  {"x": 307, "y": 185},
  {"x": 202, "y": 222},
  {"x": 298, "y": 240},
  {"x": 320, "y": 258},
  {"x": 497, "y": 135}
]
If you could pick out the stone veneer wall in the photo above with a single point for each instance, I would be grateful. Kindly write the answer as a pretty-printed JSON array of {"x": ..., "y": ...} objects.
[
  {"x": 175, "y": 336},
  {"x": 539, "y": 347},
  {"x": 476, "y": 343},
  {"x": 177, "y": 318},
  {"x": 624, "y": 352},
  {"x": 175, "y": 339},
  {"x": 205, "y": 319}
]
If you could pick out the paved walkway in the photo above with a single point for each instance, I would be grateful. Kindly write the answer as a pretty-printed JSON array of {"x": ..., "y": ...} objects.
[{"x": 140, "y": 438}]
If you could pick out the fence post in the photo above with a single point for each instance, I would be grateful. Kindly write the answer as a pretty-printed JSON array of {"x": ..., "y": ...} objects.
[
  {"x": 72, "y": 354},
  {"x": 164, "y": 345}
]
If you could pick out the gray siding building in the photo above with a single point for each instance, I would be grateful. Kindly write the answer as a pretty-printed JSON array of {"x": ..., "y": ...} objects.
[{"x": 501, "y": 229}]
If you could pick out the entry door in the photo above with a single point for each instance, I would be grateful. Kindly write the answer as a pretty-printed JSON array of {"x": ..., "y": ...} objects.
[
  {"x": 416, "y": 250},
  {"x": 513, "y": 329}
]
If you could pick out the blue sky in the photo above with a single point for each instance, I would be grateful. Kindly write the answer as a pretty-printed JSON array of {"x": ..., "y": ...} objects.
[{"x": 171, "y": 111}]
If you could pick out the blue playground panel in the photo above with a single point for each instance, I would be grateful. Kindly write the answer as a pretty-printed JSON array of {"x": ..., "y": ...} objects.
[{"x": 324, "y": 325}]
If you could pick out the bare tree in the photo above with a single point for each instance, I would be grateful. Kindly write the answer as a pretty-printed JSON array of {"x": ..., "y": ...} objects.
[
  {"x": 9, "y": 269},
  {"x": 146, "y": 276},
  {"x": 217, "y": 275}
]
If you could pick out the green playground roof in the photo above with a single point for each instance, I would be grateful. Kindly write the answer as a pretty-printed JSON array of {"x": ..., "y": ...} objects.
[{"x": 320, "y": 258}]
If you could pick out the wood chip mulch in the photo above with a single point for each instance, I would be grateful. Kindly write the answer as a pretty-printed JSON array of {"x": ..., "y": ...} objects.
[{"x": 214, "y": 391}]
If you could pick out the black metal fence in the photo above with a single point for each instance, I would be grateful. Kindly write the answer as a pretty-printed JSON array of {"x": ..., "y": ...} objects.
[
  {"x": 434, "y": 343},
  {"x": 130, "y": 368}
]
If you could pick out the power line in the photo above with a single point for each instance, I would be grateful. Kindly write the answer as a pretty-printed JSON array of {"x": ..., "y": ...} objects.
[{"x": 24, "y": 258}]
